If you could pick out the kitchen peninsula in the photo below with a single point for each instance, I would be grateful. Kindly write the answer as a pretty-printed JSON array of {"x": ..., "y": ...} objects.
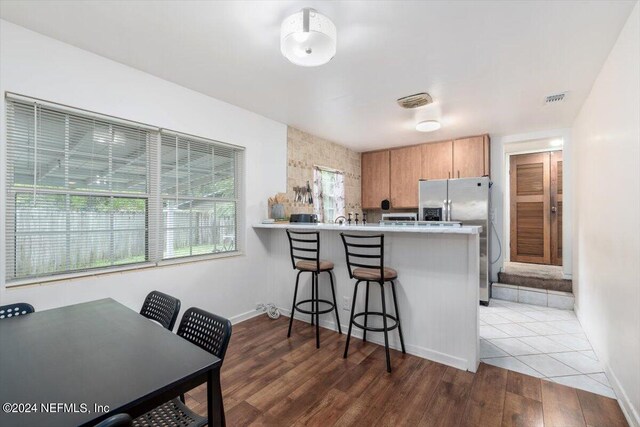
[{"x": 437, "y": 284}]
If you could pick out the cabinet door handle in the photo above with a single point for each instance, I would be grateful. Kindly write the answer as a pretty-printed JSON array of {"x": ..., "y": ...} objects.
[
  {"x": 458, "y": 173},
  {"x": 449, "y": 173}
]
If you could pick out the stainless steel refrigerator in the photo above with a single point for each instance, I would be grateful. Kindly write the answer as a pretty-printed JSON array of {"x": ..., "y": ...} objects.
[{"x": 466, "y": 200}]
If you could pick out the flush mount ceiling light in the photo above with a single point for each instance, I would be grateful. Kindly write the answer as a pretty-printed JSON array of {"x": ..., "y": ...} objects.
[
  {"x": 428, "y": 126},
  {"x": 556, "y": 142},
  {"x": 308, "y": 38}
]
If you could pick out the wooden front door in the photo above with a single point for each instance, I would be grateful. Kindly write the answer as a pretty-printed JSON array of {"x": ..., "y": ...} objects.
[{"x": 536, "y": 208}]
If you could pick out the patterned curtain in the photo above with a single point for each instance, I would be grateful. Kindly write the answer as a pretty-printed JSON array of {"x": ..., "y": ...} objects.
[
  {"x": 328, "y": 194},
  {"x": 318, "y": 197},
  {"x": 338, "y": 195}
]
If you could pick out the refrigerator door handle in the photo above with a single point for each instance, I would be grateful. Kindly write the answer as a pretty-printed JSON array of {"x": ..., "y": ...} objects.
[
  {"x": 444, "y": 210},
  {"x": 449, "y": 211}
]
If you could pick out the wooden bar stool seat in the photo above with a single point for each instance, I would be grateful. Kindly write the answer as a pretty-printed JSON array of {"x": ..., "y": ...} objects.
[
  {"x": 305, "y": 258},
  {"x": 313, "y": 265},
  {"x": 373, "y": 274}
]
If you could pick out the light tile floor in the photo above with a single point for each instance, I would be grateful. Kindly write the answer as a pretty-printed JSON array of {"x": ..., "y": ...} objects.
[{"x": 542, "y": 342}]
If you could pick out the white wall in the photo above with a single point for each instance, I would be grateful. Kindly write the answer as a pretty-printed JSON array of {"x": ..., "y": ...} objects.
[
  {"x": 606, "y": 148},
  {"x": 38, "y": 66},
  {"x": 500, "y": 146}
]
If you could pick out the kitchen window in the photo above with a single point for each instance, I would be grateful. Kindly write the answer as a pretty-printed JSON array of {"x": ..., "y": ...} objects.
[
  {"x": 87, "y": 193},
  {"x": 328, "y": 192}
]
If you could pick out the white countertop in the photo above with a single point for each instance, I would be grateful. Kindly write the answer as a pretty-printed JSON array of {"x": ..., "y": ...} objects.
[{"x": 465, "y": 229}]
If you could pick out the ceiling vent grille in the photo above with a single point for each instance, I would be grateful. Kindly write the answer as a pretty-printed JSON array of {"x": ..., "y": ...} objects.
[
  {"x": 555, "y": 98},
  {"x": 415, "y": 101}
]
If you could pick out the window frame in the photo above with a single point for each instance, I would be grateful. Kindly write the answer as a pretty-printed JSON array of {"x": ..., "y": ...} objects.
[{"x": 153, "y": 199}]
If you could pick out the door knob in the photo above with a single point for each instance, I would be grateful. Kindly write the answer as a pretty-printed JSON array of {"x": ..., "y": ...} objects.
[{"x": 553, "y": 209}]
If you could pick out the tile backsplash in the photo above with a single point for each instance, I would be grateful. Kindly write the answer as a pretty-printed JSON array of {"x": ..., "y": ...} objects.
[{"x": 304, "y": 151}]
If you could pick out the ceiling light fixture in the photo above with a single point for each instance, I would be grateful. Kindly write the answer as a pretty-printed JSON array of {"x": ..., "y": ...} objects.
[
  {"x": 428, "y": 126},
  {"x": 556, "y": 142},
  {"x": 308, "y": 38}
]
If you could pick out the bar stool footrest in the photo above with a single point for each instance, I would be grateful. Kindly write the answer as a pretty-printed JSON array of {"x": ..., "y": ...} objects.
[
  {"x": 305, "y": 301},
  {"x": 375, "y": 313}
]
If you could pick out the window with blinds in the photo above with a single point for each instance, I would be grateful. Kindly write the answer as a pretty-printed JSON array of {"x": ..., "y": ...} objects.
[
  {"x": 199, "y": 191},
  {"x": 87, "y": 192}
]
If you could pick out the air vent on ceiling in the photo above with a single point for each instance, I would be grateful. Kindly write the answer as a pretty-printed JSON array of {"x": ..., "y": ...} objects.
[
  {"x": 555, "y": 98},
  {"x": 415, "y": 101}
]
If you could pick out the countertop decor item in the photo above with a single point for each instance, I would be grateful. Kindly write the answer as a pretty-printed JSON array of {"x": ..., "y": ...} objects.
[
  {"x": 277, "y": 211},
  {"x": 276, "y": 208},
  {"x": 308, "y": 38},
  {"x": 310, "y": 194}
]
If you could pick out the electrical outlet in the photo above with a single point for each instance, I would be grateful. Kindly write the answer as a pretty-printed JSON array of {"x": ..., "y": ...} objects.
[
  {"x": 492, "y": 214},
  {"x": 345, "y": 303}
]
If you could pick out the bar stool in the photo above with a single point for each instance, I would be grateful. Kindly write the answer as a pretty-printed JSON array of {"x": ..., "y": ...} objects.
[
  {"x": 305, "y": 257},
  {"x": 366, "y": 253}
]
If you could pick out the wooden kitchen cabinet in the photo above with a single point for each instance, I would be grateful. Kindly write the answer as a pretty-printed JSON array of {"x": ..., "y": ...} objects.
[
  {"x": 406, "y": 170},
  {"x": 437, "y": 160},
  {"x": 470, "y": 157},
  {"x": 375, "y": 178},
  {"x": 394, "y": 174}
]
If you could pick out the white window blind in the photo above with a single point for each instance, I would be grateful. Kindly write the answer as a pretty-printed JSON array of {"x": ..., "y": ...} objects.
[
  {"x": 87, "y": 192},
  {"x": 77, "y": 192},
  {"x": 200, "y": 195}
]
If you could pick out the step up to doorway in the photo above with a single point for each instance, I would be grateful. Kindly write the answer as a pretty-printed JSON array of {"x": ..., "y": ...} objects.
[
  {"x": 553, "y": 284},
  {"x": 535, "y": 296}
]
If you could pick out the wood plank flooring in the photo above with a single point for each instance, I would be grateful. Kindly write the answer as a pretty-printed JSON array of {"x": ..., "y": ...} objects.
[{"x": 269, "y": 380}]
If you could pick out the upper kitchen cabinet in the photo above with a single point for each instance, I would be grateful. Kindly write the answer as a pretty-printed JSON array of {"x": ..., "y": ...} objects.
[
  {"x": 406, "y": 165},
  {"x": 471, "y": 157},
  {"x": 375, "y": 178},
  {"x": 437, "y": 160},
  {"x": 394, "y": 174}
]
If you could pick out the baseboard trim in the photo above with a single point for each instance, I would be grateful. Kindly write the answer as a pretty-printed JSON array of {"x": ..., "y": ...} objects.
[
  {"x": 423, "y": 352},
  {"x": 245, "y": 316},
  {"x": 630, "y": 413}
]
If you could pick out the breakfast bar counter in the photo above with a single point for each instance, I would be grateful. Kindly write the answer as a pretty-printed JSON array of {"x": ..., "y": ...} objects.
[
  {"x": 374, "y": 228},
  {"x": 437, "y": 287}
]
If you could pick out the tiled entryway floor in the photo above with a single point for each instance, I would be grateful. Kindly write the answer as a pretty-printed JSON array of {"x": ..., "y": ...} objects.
[{"x": 542, "y": 342}]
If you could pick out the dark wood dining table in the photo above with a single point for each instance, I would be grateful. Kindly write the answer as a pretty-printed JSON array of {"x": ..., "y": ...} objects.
[{"x": 80, "y": 364}]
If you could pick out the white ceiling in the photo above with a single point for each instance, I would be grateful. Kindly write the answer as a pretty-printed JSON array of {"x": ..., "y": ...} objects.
[{"x": 488, "y": 65}]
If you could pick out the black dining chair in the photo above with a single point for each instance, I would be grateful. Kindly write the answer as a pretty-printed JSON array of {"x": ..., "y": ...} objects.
[
  {"x": 119, "y": 420},
  {"x": 211, "y": 333},
  {"x": 162, "y": 308},
  {"x": 16, "y": 309}
]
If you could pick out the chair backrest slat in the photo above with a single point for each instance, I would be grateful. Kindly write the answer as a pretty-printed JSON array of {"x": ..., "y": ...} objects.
[
  {"x": 312, "y": 242},
  {"x": 304, "y": 249},
  {"x": 364, "y": 255},
  {"x": 208, "y": 331},
  {"x": 162, "y": 308},
  {"x": 15, "y": 309},
  {"x": 357, "y": 255}
]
